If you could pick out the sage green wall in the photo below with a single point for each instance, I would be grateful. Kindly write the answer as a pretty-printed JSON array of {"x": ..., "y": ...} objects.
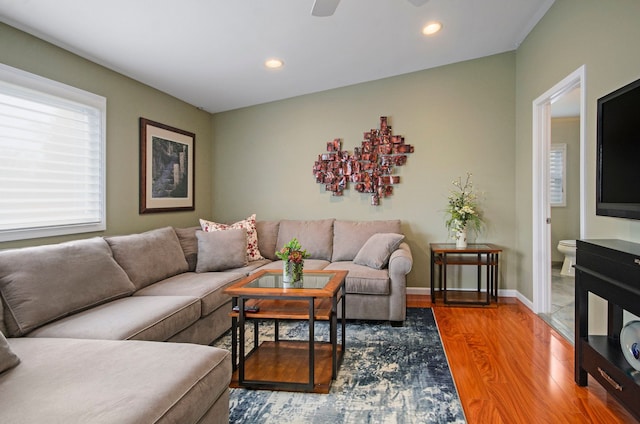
[
  {"x": 604, "y": 36},
  {"x": 565, "y": 220},
  {"x": 127, "y": 100},
  {"x": 459, "y": 117}
]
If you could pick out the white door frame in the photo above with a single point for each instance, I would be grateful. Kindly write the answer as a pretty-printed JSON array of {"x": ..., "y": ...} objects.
[{"x": 540, "y": 179}]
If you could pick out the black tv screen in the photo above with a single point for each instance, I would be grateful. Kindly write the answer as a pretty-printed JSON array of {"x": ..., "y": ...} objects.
[{"x": 618, "y": 154}]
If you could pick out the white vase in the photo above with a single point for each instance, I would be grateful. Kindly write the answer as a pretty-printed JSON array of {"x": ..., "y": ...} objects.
[
  {"x": 287, "y": 272},
  {"x": 461, "y": 238}
]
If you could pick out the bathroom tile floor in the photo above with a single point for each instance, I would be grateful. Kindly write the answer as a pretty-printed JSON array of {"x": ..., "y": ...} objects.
[{"x": 561, "y": 316}]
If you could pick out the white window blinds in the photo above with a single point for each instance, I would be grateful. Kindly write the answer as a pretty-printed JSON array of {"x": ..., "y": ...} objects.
[
  {"x": 557, "y": 174},
  {"x": 52, "y": 164}
]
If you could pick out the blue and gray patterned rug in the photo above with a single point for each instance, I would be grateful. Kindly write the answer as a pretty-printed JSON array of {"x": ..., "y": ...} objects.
[{"x": 389, "y": 375}]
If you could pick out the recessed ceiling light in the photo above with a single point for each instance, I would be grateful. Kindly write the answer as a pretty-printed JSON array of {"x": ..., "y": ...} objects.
[
  {"x": 431, "y": 28},
  {"x": 273, "y": 63}
]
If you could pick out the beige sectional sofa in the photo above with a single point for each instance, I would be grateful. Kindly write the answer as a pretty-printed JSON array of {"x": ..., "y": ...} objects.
[{"x": 84, "y": 317}]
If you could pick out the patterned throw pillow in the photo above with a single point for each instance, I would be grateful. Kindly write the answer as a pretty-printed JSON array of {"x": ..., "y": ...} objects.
[{"x": 253, "y": 254}]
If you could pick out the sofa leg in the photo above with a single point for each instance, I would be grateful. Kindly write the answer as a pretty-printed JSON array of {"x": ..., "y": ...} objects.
[{"x": 397, "y": 323}]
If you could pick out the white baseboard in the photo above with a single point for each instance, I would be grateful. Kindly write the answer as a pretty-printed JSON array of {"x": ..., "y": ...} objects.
[{"x": 526, "y": 302}]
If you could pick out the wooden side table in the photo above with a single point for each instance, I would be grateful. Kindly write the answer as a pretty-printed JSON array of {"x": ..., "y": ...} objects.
[{"x": 480, "y": 254}]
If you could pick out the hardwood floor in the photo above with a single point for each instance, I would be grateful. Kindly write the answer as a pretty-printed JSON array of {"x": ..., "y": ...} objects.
[{"x": 511, "y": 367}]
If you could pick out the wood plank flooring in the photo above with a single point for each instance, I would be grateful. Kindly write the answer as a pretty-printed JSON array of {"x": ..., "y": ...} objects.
[{"x": 511, "y": 367}]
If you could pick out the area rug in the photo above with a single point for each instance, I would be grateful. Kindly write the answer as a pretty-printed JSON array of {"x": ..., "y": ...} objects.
[{"x": 389, "y": 375}]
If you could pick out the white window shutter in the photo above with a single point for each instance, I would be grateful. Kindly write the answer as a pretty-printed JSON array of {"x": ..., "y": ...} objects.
[
  {"x": 557, "y": 174},
  {"x": 52, "y": 158}
]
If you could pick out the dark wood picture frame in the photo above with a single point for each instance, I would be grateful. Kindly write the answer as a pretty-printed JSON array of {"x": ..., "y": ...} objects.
[{"x": 167, "y": 168}]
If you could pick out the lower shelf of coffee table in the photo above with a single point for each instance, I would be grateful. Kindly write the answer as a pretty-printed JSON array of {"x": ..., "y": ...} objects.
[{"x": 287, "y": 362}]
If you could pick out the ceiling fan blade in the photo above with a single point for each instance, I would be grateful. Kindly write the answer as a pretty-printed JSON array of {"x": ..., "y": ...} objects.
[
  {"x": 418, "y": 3},
  {"x": 322, "y": 8}
]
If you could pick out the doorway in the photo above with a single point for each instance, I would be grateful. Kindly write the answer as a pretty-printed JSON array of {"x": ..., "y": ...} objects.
[{"x": 542, "y": 245}]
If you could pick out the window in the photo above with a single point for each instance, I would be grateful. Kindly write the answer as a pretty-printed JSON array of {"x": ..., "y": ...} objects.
[
  {"x": 52, "y": 157},
  {"x": 557, "y": 174}
]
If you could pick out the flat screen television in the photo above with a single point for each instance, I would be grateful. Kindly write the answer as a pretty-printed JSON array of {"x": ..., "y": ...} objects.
[{"x": 618, "y": 154}]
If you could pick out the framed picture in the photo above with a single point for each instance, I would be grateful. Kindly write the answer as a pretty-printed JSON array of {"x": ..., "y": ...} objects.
[{"x": 167, "y": 168}]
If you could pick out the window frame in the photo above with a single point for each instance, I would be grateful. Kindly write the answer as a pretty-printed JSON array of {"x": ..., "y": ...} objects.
[{"x": 66, "y": 92}]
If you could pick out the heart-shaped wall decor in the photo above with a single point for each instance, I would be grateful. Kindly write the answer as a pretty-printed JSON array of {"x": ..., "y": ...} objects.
[{"x": 369, "y": 167}]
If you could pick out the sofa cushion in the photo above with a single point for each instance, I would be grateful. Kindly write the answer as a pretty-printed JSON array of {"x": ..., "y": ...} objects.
[
  {"x": 249, "y": 224},
  {"x": 207, "y": 287},
  {"x": 107, "y": 381},
  {"x": 44, "y": 283},
  {"x": 362, "y": 279},
  {"x": 154, "y": 318},
  {"x": 309, "y": 265},
  {"x": 268, "y": 238},
  {"x": 378, "y": 249},
  {"x": 251, "y": 267},
  {"x": 189, "y": 244},
  {"x": 350, "y": 236},
  {"x": 149, "y": 257},
  {"x": 316, "y": 237},
  {"x": 220, "y": 250},
  {"x": 8, "y": 359}
]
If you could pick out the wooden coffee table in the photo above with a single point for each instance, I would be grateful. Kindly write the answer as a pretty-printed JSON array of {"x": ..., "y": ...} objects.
[{"x": 296, "y": 365}]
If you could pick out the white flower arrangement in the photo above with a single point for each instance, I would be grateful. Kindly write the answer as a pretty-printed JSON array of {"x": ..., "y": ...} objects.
[{"x": 462, "y": 211}]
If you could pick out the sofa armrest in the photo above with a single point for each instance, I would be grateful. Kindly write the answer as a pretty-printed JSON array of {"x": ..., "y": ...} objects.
[
  {"x": 401, "y": 260},
  {"x": 400, "y": 264}
]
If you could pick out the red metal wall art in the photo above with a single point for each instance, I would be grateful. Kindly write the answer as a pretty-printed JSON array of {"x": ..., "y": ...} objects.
[{"x": 370, "y": 167}]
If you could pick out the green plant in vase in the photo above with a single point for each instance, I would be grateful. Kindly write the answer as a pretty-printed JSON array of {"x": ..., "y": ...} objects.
[{"x": 293, "y": 256}]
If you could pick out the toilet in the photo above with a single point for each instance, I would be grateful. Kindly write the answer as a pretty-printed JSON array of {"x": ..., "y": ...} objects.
[{"x": 568, "y": 249}]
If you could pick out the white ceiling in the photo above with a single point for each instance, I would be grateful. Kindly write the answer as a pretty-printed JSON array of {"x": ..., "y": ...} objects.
[{"x": 210, "y": 53}]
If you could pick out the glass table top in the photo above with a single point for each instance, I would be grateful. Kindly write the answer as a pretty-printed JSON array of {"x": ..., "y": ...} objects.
[{"x": 310, "y": 280}]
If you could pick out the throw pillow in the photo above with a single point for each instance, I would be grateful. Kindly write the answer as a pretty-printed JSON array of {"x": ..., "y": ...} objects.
[
  {"x": 253, "y": 253},
  {"x": 8, "y": 359},
  {"x": 378, "y": 249},
  {"x": 220, "y": 250}
]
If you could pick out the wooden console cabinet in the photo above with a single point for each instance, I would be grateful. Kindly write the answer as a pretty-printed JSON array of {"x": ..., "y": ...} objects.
[{"x": 609, "y": 269}]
